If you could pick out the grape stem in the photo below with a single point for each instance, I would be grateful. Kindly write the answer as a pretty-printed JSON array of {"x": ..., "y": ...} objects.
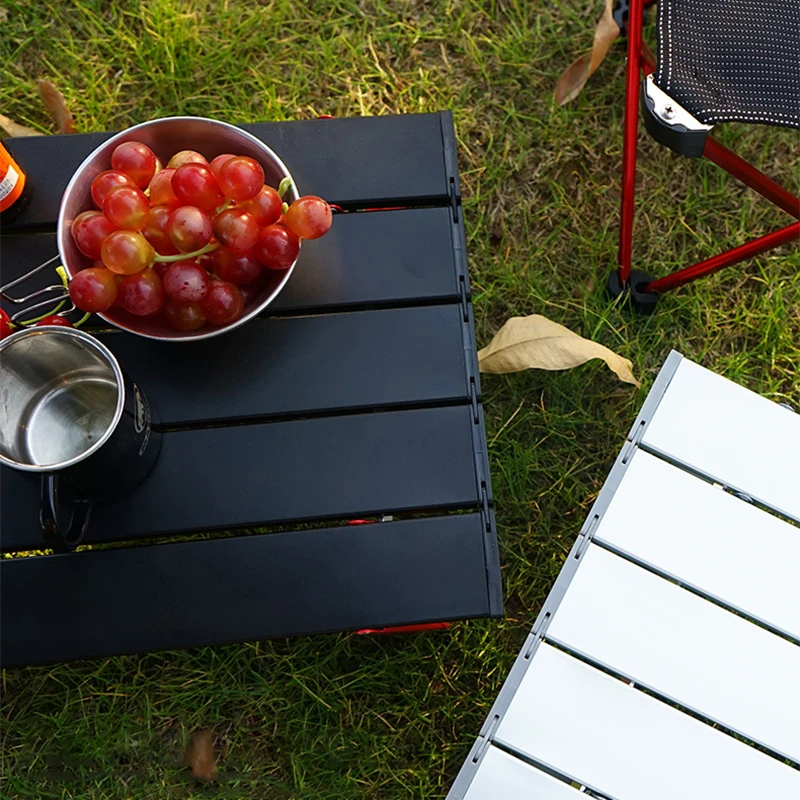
[
  {"x": 284, "y": 186},
  {"x": 186, "y": 256},
  {"x": 25, "y": 322}
]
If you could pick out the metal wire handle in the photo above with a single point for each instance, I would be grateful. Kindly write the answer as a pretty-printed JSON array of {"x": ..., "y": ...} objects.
[{"x": 58, "y": 293}]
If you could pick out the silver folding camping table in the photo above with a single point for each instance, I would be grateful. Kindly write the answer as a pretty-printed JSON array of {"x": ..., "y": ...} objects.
[{"x": 665, "y": 662}]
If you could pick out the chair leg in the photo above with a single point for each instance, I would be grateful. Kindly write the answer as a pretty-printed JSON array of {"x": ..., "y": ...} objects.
[
  {"x": 747, "y": 250},
  {"x": 754, "y": 178},
  {"x": 629, "y": 141}
]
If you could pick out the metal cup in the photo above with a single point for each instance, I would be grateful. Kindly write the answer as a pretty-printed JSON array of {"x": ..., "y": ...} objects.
[{"x": 69, "y": 412}]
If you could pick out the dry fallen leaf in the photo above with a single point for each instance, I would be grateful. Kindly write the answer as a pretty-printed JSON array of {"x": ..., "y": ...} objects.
[
  {"x": 200, "y": 755},
  {"x": 11, "y": 128},
  {"x": 536, "y": 342},
  {"x": 577, "y": 73},
  {"x": 57, "y": 106}
]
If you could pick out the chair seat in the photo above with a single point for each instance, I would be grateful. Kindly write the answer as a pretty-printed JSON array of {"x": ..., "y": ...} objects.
[{"x": 731, "y": 60}]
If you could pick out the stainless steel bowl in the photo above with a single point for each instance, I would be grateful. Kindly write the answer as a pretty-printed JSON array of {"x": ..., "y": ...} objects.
[{"x": 166, "y": 137}]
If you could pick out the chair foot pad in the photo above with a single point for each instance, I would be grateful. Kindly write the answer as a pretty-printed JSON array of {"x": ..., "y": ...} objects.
[{"x": 641, "y": 301}]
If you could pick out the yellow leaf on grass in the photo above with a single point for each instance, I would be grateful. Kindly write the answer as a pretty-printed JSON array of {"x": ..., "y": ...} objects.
[
  {"x": 11, "y": 128},
  {"x": 57, "y": 106},
  {"x": 577, "y": 73},
  {"x": 536, "y": 342}
]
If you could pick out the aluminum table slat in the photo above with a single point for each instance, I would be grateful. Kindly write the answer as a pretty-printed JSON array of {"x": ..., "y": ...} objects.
[
  {"x": 628, "y": 745},
  {"x": 708, "y": 539},
  {"x": 711, "y": 425},
  {"x": 504, "y": 777},
  {"x": 684, "y": 647}
]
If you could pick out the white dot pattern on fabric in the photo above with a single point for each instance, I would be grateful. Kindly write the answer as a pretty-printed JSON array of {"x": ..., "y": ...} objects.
[{"x": 732, "y": 60}]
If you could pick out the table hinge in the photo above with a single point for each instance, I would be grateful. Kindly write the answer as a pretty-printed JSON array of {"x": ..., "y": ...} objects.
[
  {"x": 473, "y": 401},
  {"x": 740, "y": 495},
  {"x": 586, "y": 534},
  {"x": 486, "y": 512},
  {"x": 486, "y": 739},
  {"x": 454, "y": 199},
  {"x": 463, "y": 300},
  {"x": 632, "y": 443}
]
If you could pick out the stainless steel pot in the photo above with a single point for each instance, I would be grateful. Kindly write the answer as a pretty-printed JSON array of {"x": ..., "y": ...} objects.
[
  {"x": 166, "y": 137},
  {"x": 69, "y": 413}
]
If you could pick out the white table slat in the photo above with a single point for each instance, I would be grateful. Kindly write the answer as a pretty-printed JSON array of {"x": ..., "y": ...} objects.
[
  {"x": 503, "y": 777},
  {"x": 707, "y": 538},
  {"x": 723, "y": 430},
  {"x": 684, "y": 647},
  {"x": 627, "y": 744}
]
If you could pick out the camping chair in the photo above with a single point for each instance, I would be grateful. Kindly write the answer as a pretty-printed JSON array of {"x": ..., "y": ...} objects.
[
  {"x": 664, "y": 664},
  {"x": 718, "y": 61}
]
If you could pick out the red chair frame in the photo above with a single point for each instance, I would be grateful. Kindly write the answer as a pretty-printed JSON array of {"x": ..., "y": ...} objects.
[{"x": 641, "y": 61}]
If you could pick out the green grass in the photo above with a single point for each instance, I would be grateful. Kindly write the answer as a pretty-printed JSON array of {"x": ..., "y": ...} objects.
[{"x": 354, "y": 717}]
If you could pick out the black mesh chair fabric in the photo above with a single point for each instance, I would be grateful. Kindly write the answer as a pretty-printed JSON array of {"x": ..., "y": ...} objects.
[{"x": 731, "y": 60}]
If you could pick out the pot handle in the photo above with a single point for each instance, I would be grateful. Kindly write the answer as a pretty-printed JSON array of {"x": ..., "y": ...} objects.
[{"x": 48, "y": 518}]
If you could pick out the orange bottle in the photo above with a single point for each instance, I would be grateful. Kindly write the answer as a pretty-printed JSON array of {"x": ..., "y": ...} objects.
[{"x": 12, "y": 186}]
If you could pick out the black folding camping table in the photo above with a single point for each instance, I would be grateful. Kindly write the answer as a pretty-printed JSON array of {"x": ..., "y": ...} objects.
[{"x": 355, "y": 397}]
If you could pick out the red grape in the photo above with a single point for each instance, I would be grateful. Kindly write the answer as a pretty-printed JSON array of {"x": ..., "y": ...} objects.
[
  {"x": 186, "y": 157},
  {"x": 106, "y": 182},
  {"x": 241, "y": 178},
  {"x": 195, "y": 185},
  {"x": 277, "y": 247},
  {"x": 223, "y": 303},
  {"x": 88, "y": 230},
  {"x": 125, "y": 252},
  {"x": 216, "y": 164},
  {"x": 127, "y": 208},
  {"x": 161, "y": 193},
  {"x": 136, "y": 160},
  {"x": 266, "y": 206},
  {"x": 155, "y": 231},
  {"x": 141, "y": 294},
  {"x": 189, "y": 228},
  {"x": 185, "y": 282},
  {"x": 309, "y": 217},
  {"x": 184, "y": 317},
  {"x": 236, "y": 229},
  {"x": 54, "y": 319},
  {"x": 93, "y": 289},
  {"x": 5, "y": 325},
  {"x": 236, "y": 268}
]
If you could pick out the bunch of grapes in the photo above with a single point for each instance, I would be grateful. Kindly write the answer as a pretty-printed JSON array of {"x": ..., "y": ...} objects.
[{"x": 182, "y": 241}]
